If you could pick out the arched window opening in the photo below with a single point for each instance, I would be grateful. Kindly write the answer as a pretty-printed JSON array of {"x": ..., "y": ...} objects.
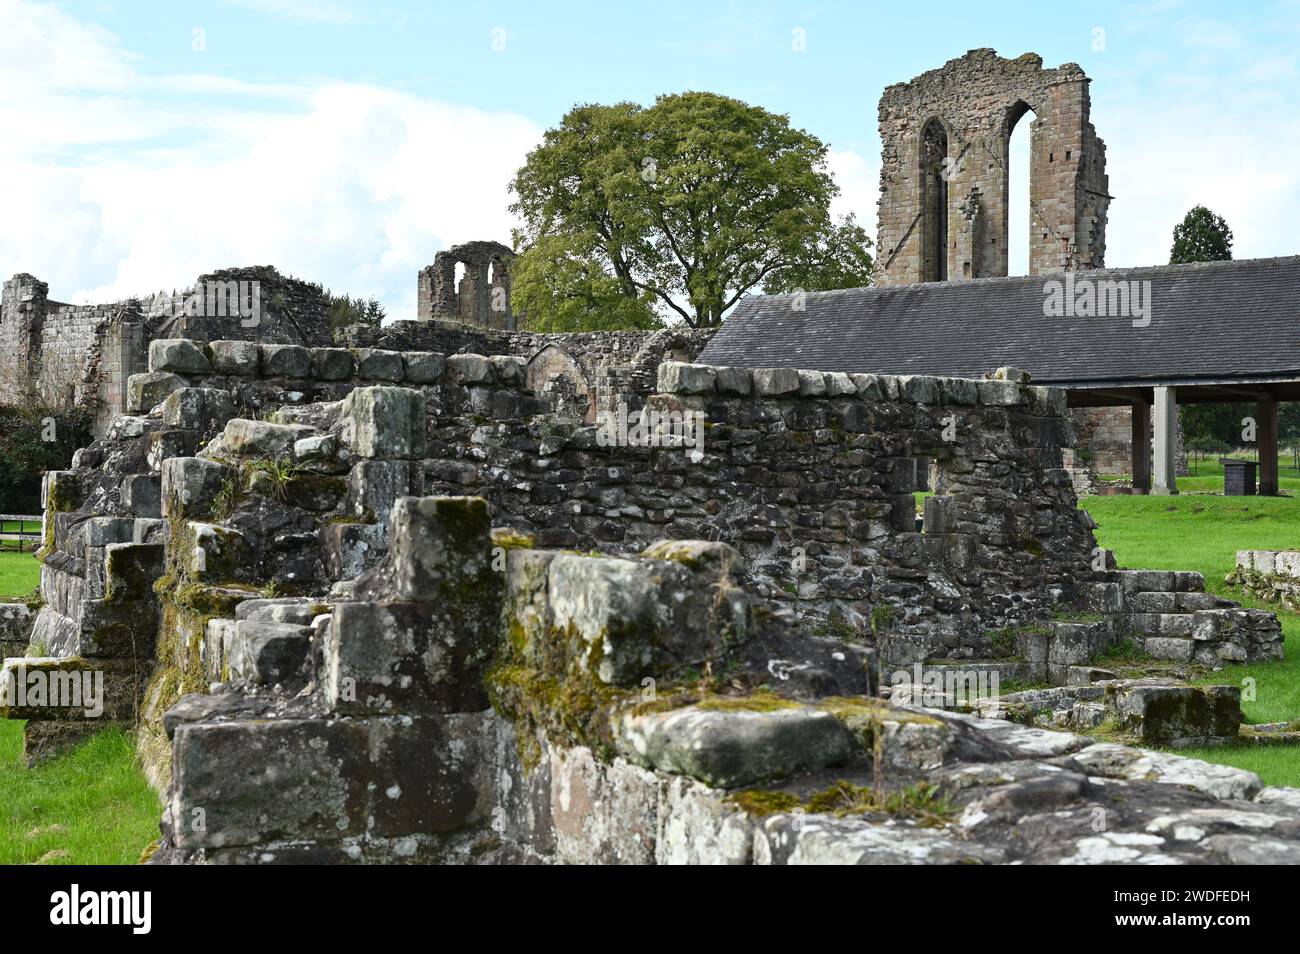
[
  {"x": 934, "y": 202},
  {"x": 1020, "y": 214}
]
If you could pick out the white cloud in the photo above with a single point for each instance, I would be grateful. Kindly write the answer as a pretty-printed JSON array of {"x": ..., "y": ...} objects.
[
  {"x": 112, "y": 190},
  {"x": 321, "y": 11},
  {"x": 859, "y": 182}
]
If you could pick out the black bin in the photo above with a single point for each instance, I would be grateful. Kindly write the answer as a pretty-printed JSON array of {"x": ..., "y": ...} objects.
[{"x": 1238, "y": 477}]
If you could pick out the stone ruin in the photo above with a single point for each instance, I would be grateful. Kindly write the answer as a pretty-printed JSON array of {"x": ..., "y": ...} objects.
[
  {"x": 66, "y": 354},
  {"x": 480, "y": 299},
  {"x": 400, "y": 605},
  {"x": 943, "y": 177}
]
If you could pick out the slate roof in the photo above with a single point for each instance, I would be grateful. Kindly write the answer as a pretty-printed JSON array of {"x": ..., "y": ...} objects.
[{"x": 1215, "y": 321}]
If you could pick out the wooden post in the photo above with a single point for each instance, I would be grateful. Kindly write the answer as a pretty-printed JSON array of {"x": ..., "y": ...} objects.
[
  {"x": 1266, "y": 431},
  {"x": 1140, "y": 450}
]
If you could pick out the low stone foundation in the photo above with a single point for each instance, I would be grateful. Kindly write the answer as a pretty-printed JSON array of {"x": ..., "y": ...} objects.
[{"x": 1270, "y": 575}]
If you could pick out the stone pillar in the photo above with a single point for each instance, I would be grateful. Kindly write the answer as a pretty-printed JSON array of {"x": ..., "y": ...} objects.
[
  {"x": 445, "y": 300},
  {"x": 1266, "y": 427},
  {"x": 1140, "y": 445},
  {"x": 1165, "y": 457},
  {"x": 424, "y": 293}
]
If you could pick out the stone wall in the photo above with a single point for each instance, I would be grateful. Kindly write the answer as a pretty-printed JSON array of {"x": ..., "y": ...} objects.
[
  {"x": 84, "y": 354},
  {"x": 605, "y": 745},
  {"x": 600, "y": 370},
  {"x": 1270, "y": 575},
  {"x": 943, "y": 178},
  {"x": 256, "y": 522},
  {"x": 811, "y": 476}
]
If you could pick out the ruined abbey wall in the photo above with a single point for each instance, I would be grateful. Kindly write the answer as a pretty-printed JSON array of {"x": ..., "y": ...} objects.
[
  {"x": 943, "y": 179},
  {"x": 65, "y": 355},
  {"x": 261, "y": 521}
]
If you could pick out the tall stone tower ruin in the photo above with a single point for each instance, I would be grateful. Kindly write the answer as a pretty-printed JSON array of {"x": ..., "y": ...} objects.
[{"x": 943, "y": 175}]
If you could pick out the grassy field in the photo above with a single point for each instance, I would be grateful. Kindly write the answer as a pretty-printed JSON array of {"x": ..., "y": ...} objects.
[
  {"x": 91, "y": 806},
  {"x": 1197, "y": 532},
  {"x": 19, "y": 574},
  {"x": 1207, "y": 476}
]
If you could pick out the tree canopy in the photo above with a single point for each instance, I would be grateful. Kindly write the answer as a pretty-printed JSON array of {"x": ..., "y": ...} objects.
[
  {"x": 680, "y": 208},
  {"x": 1201, "y": 236}
]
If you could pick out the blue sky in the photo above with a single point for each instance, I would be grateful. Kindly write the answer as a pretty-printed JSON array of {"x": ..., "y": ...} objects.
[{"x": 347, "y": 142}]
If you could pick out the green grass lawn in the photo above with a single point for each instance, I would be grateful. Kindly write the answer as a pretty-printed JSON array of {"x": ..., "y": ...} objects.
[
  {"x": 1204, "y": 533},
  {"x": 1207, "y": 476},
  {"x": 19, "y": 574},
  {"x": 91, "y": 806}
]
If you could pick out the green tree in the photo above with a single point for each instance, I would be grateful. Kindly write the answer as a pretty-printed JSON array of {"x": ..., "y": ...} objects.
[
  {"x": 557, "y": 285},
  {"x": 1201, "y": 236},
  {"x": 345, "y": 312},
  {"x": 36, "y": 437},
  {"x": 841, "y": 258},
  {"x": 687, "y": 204}
]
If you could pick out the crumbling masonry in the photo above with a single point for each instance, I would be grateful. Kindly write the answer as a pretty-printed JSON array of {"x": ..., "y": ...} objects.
[
  {"x": 943, "y": 177},
  {"x": 606, "y": 653}
]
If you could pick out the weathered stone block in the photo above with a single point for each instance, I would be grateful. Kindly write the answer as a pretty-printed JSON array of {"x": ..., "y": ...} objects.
[
  {"x": 469, "y": 369},
  {"x": 441, "y": 551},
  {"x": 508, "y": 369},
  {"x": 261, "y": 781},
  {"x": 868, "y": 386},
  {"x": 238, "y": 358},
  {"x": 918, "y": 388},
  {"x": 352, "y": 548},
  {"x": 430, "y": 773},
  {"x": 376, "y": 365},
  {"x": 384, "y": 422},
  {"x": 622, "y": 620},
  {"x": 1162, "y": 647},
  {"x": 101, "y": 531},
  {"x": 727, "y": 748},
  {"x": 678, "y": 377},
  {"x": 1000, "y": 393},
  {"x": 144, "y": 392},
  {"x": 285, "y": 361},
  {"x": 130, "y": 570},
  {"x": 198, "y": 409},
  {"x": 735, "y": 381},
  {"x": 331, "y": 364},
  {"x": 959, "y": 391},
  {"x": 374, "y": 486},
  {"x": 1176, "y": 714},
  {"x": 603, "y": 814},
  {"x": 422, "y": 367},
  {"x": 322, "y": 447},
  {"x": 261, "y": 439},
  {"x": 812, "y": 384},
  {"x": 164, "y": 445},
  {"x": 388, "y": 658},
  {"x": 142, "y": 494},
  {"x": 178, "y": 355},
  {"x": 773, "y": 382},
  {"x": 189, "y": 485},
  {"x": 267, "y": 653},
  {"x": 698, "y": 827}
]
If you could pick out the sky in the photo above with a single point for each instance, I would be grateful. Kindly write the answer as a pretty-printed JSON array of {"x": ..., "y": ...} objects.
[{"x": 346, "y": 142}]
